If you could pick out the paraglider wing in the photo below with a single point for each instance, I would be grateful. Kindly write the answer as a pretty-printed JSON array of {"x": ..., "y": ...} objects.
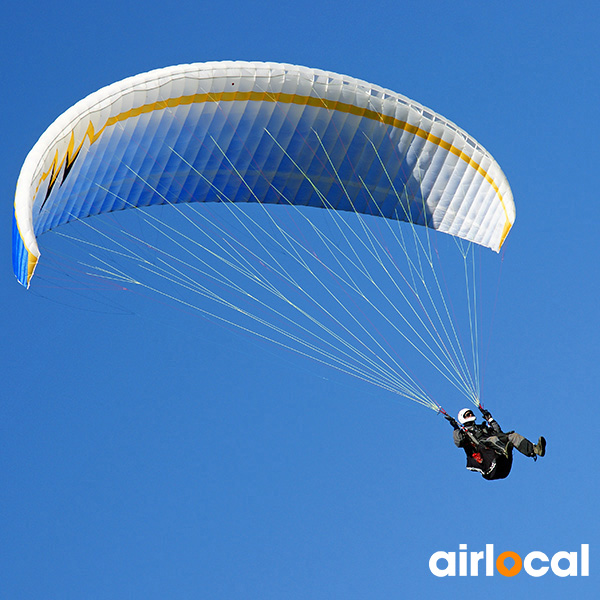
[{"x": 257, "y": 132}]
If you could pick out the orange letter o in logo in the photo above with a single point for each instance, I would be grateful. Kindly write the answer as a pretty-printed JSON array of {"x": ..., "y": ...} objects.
[{"x": 514, "y": 569}]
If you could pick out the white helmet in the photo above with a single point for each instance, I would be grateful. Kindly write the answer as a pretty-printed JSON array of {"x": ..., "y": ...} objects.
[{"x": 465, "y": 416}]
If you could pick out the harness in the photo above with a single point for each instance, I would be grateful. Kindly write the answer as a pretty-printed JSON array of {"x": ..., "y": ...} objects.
[{"x": 491, "y": 457}]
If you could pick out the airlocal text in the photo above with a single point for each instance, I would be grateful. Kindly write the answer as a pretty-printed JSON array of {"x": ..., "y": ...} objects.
[{"x": 509, "y": 563}]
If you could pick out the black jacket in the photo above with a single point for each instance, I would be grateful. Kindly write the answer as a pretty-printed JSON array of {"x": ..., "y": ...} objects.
[{"x": 486, "y": 448}]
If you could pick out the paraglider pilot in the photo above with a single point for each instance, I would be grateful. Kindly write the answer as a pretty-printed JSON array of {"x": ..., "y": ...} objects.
[{"x": 488, "y": 448}]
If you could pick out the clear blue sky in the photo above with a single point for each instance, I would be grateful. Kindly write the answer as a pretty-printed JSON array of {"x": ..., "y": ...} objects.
[{"x": 140, "y": 460}]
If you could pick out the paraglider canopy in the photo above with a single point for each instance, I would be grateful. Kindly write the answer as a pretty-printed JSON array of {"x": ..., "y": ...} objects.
[{"x": 258, "y": 132}]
